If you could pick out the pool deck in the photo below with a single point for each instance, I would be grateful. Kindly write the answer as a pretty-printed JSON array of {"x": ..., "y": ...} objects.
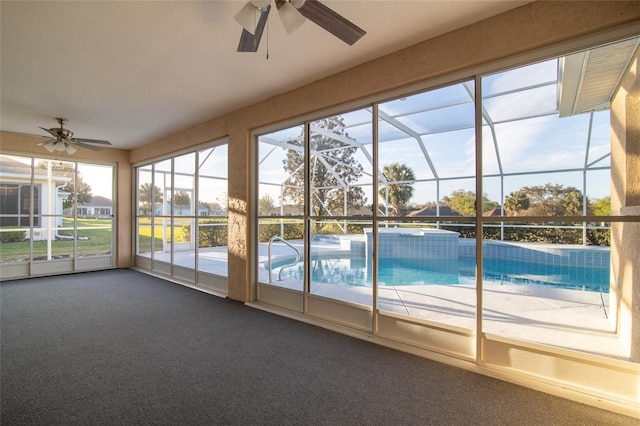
[{"x": 570, "y": 319}]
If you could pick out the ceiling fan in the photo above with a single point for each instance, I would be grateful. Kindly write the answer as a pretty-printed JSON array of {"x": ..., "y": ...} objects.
[
  {"x": 292, "y": 14},
  {"x": 64, "y": 139}
]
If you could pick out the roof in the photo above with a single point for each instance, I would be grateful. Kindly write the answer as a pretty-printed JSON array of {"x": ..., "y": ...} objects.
[
  {"x": 9, "y": 166},
  {"x": 432, "y": 211},
  {"x": 97, "y": 201}
]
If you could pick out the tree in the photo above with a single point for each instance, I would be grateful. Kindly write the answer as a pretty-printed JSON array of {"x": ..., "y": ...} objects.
[
  {"x": 147, "y": 195},
  {"x": 553, "y": 200},
  {"x": 602, "y": 206},
  {"x": 333, "y": 171},
  {"x": 516, "y": 202},
  {"x": 399, "y": 188},
  {"x": 213, "y": 205},
  {"x": 572, "y": 202},
  {"x": 265, "y": 204},
  {"x": 464, "y": 202},
  {"x": 79, "y": 191},
  {"x": 181, "y": 199}
]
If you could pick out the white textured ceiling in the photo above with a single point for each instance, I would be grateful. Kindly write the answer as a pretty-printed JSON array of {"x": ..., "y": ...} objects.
[{"x": 132, "y": 71}]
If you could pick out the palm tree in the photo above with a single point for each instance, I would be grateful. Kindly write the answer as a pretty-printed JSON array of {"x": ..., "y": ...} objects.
[
  {"x": 148, "y": 195},
  {"x": 180, "y": 199},
  {"x": 516, "y": 202},
  {"x": 399, "y": 187}
]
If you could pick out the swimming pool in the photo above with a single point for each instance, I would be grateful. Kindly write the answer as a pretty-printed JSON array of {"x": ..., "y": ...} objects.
[{"x": 355, "y": 270}]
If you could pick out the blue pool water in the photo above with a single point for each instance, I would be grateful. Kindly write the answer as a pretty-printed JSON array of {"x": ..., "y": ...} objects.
[{"x": 355, "y": 271}]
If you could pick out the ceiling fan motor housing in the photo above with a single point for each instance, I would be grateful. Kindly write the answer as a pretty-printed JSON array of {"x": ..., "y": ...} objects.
[{"x": 62, "y": 133}]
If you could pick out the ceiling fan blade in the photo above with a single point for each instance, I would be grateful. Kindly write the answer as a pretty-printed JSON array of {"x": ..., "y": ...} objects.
[
  {"x": 331, "y": 21},
  {"x": 51, "y": 132},
  {"x": 250, "y": 42},
  {"x": 76, "y": 140},
  {"x": 46, "y": 141},
  {"x": 84, "y": 145}
]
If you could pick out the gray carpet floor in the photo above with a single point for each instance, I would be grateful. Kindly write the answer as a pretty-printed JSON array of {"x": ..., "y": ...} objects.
[{"x": 121, "y": 347}]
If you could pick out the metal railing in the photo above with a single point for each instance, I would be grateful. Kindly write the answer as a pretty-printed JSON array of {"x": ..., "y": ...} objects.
[{"x": 283, "y": 267}]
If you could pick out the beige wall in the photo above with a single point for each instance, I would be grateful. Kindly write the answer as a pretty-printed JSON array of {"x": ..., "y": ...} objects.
[
  {"x": 17, "y": 143},
  {"x": 625, "y": 200}
]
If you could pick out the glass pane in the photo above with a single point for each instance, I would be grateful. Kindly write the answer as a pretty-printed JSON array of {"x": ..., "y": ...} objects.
[
  {"x": 283, "y": 254},
  {"x": 163, "y": 231},
  {"x": 542, "y": 158},
  {"x": 281, "y": 173},
  {"x": 63, "y": 244},
  {"x": 528, "y": 76},
  {"x": 212, "y": 210},
  {"x": 146, "y": 191},
  {"x": 213, "y": 181},
  {"x": 16, "y": 205},
  {"x": 14, "y": 245},
  {"x": 599, "y": 153},
  {"x": 184, "y": 242},
  {"x": 212, "y": 191},
  {"x": 94, "y": 237},
  {"x": 549, "y": 194},
  {"x": 55, "y": 181},
  {"x": 543, "y": 143},
  {"x": 182, "y": 200},
  {"x": 145, "y": 239},
  {"x": 542, "y": 287},
  {"x": 424, "y": 272},
  {"x": 339, "y": 268},
  {"x": 94, "y": 209},
  {"x": 182, "y": 203},
  {"x": 430, "y": 153},
  {"x": 213, "y": 245},
  {"x": 162, "y": 180},
  {"x": 524, "y": 103},
  {"x": 340, "y": 166},
  {"x": 598, "y": 190}
]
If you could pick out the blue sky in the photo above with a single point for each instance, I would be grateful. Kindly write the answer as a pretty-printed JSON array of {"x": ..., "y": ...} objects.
[{"x": 529, "y": 135}]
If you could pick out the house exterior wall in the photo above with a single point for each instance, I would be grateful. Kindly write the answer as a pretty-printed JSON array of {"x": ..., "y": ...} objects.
[
  {"x": 625, "y": 201},
  {"x": 49, "y": 199}
]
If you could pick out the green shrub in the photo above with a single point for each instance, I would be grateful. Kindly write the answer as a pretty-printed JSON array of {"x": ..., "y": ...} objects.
[
  {"x": 209, "y": 236},
  {"x": 599, "y": 237},
  {"x": 292, "y": 231},
  {"x": 596, "y": 237},
  {"x": 13, "y": 236}
]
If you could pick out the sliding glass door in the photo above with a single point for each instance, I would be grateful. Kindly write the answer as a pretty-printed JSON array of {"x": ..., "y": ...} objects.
[
  {"x": 181, "y": 217},
  {"x": 56, "y": 216}
]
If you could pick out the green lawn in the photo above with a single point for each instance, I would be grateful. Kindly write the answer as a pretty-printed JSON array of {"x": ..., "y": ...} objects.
[
  {"x": 94, "y": 241},
  {"x": 144, "y": 229}
]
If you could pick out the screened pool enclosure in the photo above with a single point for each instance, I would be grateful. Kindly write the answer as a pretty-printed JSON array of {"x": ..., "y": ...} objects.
[{"x": 386, "y": 214}]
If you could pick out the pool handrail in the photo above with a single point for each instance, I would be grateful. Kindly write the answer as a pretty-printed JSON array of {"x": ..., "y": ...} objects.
[{"x": 283, "y": 267}]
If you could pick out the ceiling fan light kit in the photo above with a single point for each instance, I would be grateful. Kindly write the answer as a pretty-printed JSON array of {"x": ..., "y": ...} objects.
[
  {"x": 289, "y": 15},
  {"x": 52, "y": 146},
  {"x": 64, "y": 140},
  {"x": 292, "y": 13},
  {"x": 246, "y": 17}
]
